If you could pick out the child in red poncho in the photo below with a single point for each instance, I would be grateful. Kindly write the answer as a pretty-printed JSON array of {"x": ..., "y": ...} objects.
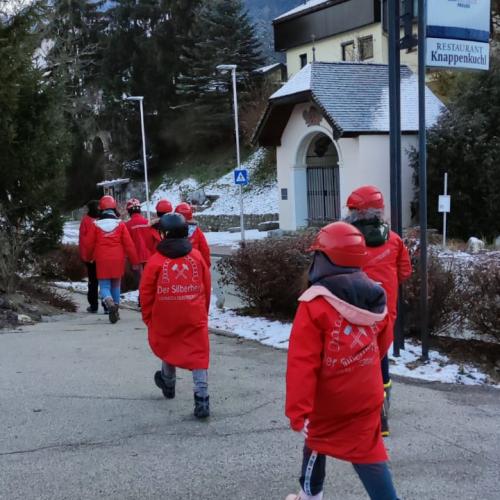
[
  {"x": 387, "y": 263},
  {"x": 195, "y": 234},
  {"x": 175, "y": 298},
  {"x": 334, "y": 391}
]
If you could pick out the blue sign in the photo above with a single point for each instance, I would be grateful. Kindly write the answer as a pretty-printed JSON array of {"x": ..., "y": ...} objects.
[{"x": 241, "y": 177}]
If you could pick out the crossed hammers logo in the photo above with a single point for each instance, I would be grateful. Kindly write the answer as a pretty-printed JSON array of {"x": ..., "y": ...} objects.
[
  {"x": 357, "y": 337},
  {"x": 180, "y": 272}
]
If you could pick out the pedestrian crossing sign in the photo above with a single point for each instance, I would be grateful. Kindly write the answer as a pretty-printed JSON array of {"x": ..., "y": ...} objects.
[{"x": 241, "y": 177}]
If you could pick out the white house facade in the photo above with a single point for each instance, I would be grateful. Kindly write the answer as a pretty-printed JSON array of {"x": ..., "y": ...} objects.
[{"x": 330, "y": 127}]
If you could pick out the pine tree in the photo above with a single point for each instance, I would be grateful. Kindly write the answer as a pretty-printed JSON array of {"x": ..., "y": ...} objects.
[{"x": 221, "y": 34}]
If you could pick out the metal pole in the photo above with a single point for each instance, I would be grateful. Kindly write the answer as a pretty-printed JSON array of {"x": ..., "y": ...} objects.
[
  {"x": 395, "y": 136},
  {"x": 145, "y": 159},
  {"x": 422, "y": 178},
  {"x": 445, "y": 213},
  {"x": 238, "y": 157}
]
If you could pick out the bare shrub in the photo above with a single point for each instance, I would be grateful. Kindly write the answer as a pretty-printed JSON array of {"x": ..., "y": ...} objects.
[
  {"x": 63, "y": 263},
  {"x": 268, "y": 274},
  {"x": 444, "y": 295},
  {"x": 482, "y": 296}
]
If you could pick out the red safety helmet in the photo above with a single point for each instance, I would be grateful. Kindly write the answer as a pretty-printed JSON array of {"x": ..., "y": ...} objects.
[
  {"x": 185, "y": 210},
  {"x": 164, "y": 207},
  {"x": 342, "y": 243},
  {"x": 133, "y": 203},
  {"x": 107, "y": 202},
  {"x": 366, "y": 197}
]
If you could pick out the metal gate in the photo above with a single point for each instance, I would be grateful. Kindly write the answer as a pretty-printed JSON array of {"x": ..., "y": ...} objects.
[{"x": 323, "y": 203}]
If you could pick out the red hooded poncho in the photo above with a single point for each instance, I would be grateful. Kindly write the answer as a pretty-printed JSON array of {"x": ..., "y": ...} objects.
[
  {"x": 333, "y": 376},
  {"x": 175, "y": 298}
]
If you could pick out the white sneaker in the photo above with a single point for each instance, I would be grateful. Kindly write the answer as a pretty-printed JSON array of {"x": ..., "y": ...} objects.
[{"x": 303, "y": 496}]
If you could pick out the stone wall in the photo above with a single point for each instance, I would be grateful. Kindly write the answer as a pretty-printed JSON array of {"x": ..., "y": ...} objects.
[{"x": 224, "y": 222}]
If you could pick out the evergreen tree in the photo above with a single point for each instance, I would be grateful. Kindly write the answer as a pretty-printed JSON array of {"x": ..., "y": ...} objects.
[
  {"x": 34, "y": 144},
  {"x": 142, "y": 58},
  {"x": 75, "y": 33},
  {"x": 466, "y": 144},
  {"x": 221, "y": 34}
]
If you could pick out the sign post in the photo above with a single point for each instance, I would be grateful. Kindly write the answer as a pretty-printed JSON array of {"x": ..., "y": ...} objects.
[{"x": 444, "y": 206}]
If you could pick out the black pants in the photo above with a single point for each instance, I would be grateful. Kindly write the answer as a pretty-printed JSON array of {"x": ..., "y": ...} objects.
[
  {"x": 93, "y": 289},
  {"x": 384, "y": 365}
]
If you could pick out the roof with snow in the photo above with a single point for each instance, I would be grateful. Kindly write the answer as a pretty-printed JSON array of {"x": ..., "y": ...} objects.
[
  {"x": 353, "y": 97},
  {"x": 113, "y": 182},
  {"x": 267, "y": 69},
  {"x": 306, "y": 6}
]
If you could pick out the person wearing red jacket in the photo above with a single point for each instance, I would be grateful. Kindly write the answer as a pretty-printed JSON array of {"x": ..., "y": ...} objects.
[
  {"x": 195, "y": 234},
  {"x": 109, "y": 242},
  {"x": 85, "y": 226},
  {"x": 138, "y": 228},
  {"x": 152, "y": 237},
  {"x": 334, "y": 391},
  {"x": 175, "y": 298},
  {"x": 388, "y": 262}
]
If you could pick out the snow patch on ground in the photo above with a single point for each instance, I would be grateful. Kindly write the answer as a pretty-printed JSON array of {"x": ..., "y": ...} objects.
[
  {"x": 71, "y": 231},
  {"x": 276, "y": 334},
  {"x": 222, "y": 238}
]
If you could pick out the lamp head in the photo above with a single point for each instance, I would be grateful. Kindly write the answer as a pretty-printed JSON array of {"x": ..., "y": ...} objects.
[
  {"x": 224, "y": 68},
  {"x": 133, "y": 97}
]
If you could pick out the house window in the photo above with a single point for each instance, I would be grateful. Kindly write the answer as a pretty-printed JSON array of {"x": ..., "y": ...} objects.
[
  {"x": 348, "y": 51},
  {"x": 365, "y": 48},
  {"x": 303, "y": 60}
]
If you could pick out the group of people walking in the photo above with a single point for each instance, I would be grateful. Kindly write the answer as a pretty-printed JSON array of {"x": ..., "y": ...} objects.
[{"x": 337, "y": 383}]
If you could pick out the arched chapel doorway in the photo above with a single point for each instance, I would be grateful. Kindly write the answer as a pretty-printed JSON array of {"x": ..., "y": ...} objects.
[{"x": 323, "y": 190}]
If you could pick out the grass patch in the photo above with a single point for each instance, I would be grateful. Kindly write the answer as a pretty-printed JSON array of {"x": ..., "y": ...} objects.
[{"x": 204, "y": 166}]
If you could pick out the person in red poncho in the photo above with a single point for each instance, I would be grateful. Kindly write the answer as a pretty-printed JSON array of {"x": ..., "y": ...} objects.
[
  {"x": 175, "y": 299},
  {"x": 152, "y": 237},
  {"x": 334, "y": 391},
  {"x": 388, "y": 263},
  {"x": 109, "y": 242},
  {"x": 85, "y": 226},
  {"x": 138, "y": 228},
  {"x": 195, "y": 234}
]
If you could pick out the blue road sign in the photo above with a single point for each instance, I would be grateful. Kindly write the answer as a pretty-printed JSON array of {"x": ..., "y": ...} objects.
[{"x": 241, "y": 177}]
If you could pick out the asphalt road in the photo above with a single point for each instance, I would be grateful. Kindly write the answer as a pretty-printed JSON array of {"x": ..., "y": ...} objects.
[{"x": 80, "y": 418}]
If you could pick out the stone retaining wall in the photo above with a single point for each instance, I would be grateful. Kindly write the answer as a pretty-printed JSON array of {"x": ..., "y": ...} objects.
[{"x": 224, "y": 222}]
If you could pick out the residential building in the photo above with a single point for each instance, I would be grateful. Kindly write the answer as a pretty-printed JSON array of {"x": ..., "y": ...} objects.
[{"x": 336, "y": 30}]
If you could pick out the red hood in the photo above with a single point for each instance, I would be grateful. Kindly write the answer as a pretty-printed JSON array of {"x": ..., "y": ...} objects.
[{"x": 352, "y": 314}]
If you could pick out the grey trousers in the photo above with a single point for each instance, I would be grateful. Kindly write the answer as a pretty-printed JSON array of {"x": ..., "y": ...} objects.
[{"x": 200, "y": 379}]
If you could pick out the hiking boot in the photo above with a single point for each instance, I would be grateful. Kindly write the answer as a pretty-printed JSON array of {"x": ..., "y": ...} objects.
[
  {"x": 104, "y": 307},
  {"x": 112, "y": 308},
  {"x": 201, "y": 406},
  {"x": 91, "y": 310},
  {"x": 168, "y": 390}
]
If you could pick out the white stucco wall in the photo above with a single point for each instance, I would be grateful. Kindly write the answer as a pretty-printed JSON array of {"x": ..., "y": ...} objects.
[{"x": 362, "y": 160}]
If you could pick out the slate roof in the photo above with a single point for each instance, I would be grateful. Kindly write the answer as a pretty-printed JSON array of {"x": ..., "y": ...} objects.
[{"x": 356, "y": 95}]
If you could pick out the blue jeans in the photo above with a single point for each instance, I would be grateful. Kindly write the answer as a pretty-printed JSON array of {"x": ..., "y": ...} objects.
[
  {"x": 376, "y": 478},
  {"x": 110, "y": 288}
]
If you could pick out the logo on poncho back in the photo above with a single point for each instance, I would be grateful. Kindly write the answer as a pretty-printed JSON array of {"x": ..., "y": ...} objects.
[{"x": 180, "y": 280}]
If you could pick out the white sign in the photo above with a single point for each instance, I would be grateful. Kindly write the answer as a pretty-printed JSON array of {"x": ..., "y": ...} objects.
[
  {"x": 444, "y": 204},
  {"x": 458, "y": 34}
]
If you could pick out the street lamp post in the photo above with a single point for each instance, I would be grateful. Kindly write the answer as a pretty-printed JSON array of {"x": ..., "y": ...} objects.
[
  {"x": 146, "y": 182},
  {"x": 224, "y": 68}
]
